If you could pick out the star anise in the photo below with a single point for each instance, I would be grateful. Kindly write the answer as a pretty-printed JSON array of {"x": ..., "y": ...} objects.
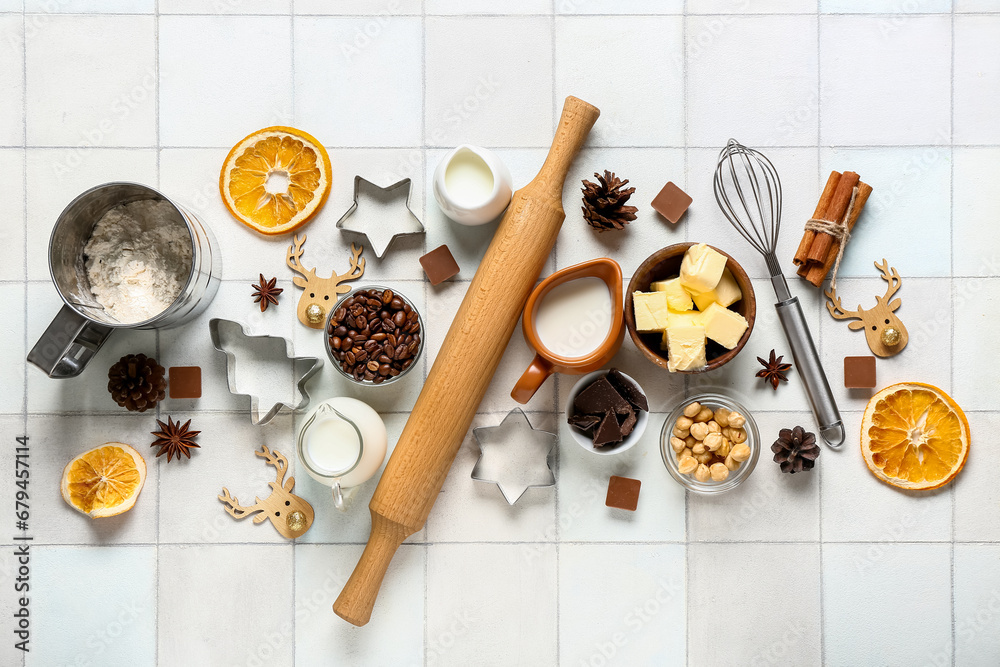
[
  {"x": 174, "y": 438},
  {"x": 266, "y": 292},
  {"x": 774, "y": 371}
]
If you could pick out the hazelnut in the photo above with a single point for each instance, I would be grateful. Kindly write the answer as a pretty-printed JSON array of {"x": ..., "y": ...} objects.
[
  {"x": 687, "y": 465},
  {"x": 736, "y": 420},
  {"x": 680, "y": 432},
  {"x": 740, "y": 453},
  {"x": 713, "y": 427},
  {"x": 719, "y": 472},
  {"x": 677, "y": 444},
  {"x": 691, "y": 410},
  {"x": 732, "y": 463},
  {"x": 713, "y": 441},
  {"x": 737, "y": 435},
  {"x": 690, "y": 441},
  {"x": 685, "y": 452},
  {"x": 699, "y": 430},
  {"x": 683, "y": 423},
  {"x": 705, "y": 458},
  {"x": 699, "y": 448},
  {"x": 704, "y": 416},
  {"x": 722, "y": 416},
  {"x": 724, "y": 450},
  {"x": 702, "y": 473}
]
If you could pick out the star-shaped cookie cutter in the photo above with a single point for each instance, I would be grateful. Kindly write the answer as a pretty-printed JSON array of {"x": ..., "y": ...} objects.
[
  {"x": 279, "y": 352},
  {"x": 524, "y": 461},
  {"x": 381, "y": 229}
]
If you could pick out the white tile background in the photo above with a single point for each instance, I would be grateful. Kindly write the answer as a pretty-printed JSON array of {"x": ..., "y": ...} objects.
[{"x": 827, "y": 568}]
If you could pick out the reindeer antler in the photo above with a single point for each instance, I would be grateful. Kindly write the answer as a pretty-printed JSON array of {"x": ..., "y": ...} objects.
[
  {"x": 891, "y": 276},
  {"x": 837, "y": 309},
  {"x": 239, "y": 511},
  {"x": 277, "y": 459},
  {"x": 294, "y": 259},
  {"x": 357, "y": 267}
]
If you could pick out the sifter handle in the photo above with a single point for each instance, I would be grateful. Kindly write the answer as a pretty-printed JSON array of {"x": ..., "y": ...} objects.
[{"x": 824, "y": 406}]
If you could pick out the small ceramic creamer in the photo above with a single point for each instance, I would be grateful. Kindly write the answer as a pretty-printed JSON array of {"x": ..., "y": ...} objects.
[{"x": 472, "y": 185}]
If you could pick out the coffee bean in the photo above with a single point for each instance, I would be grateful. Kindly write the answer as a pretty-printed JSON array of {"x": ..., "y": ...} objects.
[{"x": 374, "y": 335}]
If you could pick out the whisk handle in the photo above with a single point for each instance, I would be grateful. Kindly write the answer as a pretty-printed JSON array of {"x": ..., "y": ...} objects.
[{"x": 806, "y": 359}]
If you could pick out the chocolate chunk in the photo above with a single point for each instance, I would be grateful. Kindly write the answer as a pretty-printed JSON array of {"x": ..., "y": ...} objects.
[
  {"x": 627, "y": 422},
  {"x": 185, "y": 381},
  {"x": 623, "y": 493},
  {"x": 671, "y": 202},
  {"x": 608, "y": 433},
  {"x": 628, "y": 390},
  {"x": 600, "y": 397},
  {"x": 584, "y": 422},
  {"x": 439, "y": 265},
  {"x": 859, "y": 372}
]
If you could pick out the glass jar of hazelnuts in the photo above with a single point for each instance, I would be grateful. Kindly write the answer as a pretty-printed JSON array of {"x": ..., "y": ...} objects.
[{"x": 709, "y": 443}]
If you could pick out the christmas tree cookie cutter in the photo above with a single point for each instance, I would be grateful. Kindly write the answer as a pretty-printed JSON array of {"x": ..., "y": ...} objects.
[
  {"x": 514, "y": 455},
  {"x": 266, "y": 361},
  {"x": 383, "y": 217}
]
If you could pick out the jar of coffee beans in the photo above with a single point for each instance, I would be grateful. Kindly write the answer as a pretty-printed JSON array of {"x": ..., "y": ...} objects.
[{"x": 374, "y": 335}]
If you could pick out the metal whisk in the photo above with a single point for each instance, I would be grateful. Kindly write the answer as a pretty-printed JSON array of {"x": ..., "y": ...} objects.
[{"x": 748, "y": 191}]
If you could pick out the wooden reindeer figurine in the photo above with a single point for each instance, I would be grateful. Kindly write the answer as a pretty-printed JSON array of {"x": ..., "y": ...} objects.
[
  {"x": 320, "y": 294},
  {"x": 884, "y": 332},
  {"x": 289, "y": 514}
]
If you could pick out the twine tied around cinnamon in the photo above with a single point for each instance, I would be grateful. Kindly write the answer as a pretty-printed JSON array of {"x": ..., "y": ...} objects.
[{"x": 838, "y": 230}]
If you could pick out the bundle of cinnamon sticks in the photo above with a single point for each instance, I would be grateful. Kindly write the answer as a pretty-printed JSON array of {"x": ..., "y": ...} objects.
[{"x": 818, "y": 251}]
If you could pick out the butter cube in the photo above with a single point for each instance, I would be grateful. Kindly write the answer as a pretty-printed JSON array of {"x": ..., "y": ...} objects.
[
  {"x": 678, "y": 298},
  {"x": 701, "y": 269},
  {"x": 686, "y": 345},
  {"x": 650, "y": 311},
  {"x": 689, "y": 318},
  {"x": 724, "y": 326},
  {"x": 726, "y": 293}
]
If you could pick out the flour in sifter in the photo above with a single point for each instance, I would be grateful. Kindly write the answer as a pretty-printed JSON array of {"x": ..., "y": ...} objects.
[{"x": 138, "y": 259}]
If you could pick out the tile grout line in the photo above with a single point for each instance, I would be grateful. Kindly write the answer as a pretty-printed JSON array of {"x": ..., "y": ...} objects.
[
  {"x": 687, "y": 230},
  {"x": 951, "y": 285},
  {"x": 819, "y": 333},
  {"x": 293, "y": 123},
  {"x": 423, "y": 162},
  {"x": 557, "y": 384},
  {"x": 156, "y": 550}
]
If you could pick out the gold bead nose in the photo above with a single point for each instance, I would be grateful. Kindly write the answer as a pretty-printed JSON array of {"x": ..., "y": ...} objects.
[
  {"x": 296, "y": 521},
  {"x": 890, "y": 336},
  {"x": 315, "y": 313}
]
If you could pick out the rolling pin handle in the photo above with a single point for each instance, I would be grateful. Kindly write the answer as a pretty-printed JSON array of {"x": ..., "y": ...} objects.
[
  {"x": 357, "y": 599},
  {"x": 575, "y": 123}
]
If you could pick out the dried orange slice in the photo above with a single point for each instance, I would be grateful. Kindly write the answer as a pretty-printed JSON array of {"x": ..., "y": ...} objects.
[
  {"x": 914, "y": 436},
  {"x": 104, "y": 481},
  {"x": 276, "y": 179}
]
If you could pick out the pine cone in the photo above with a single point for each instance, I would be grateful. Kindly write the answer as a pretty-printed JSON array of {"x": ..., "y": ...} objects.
[
  {"x": 137, "y": 382},
  {"x": 795, "y": 450},
  {"x": 604, "y": 204}
]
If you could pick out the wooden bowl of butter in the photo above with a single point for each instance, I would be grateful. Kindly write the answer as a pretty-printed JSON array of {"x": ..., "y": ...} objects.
[{"x": 690, "y": 308}]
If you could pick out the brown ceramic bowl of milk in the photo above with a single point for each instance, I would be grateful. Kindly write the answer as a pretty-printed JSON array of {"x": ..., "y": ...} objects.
[{"x": 573, "y": 320}]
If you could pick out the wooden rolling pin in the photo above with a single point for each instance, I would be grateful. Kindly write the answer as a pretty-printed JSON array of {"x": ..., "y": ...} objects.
[{"x": 465, "y": 365}]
